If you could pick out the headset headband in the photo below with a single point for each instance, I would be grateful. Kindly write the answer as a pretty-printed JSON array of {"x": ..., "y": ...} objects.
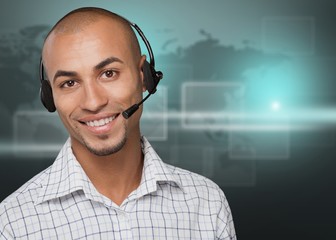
[{"x": 151, "y": 77}]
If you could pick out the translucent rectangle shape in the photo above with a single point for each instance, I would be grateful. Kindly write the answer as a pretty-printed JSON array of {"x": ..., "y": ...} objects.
[
  {"x": 206, "y": 105},
  {"x": 154, "y": 117},
  {"x": 293, "y": 35}
]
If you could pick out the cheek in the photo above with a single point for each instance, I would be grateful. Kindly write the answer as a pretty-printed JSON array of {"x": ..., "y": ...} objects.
[
  {"x": 60, "y": 106},
  {"x": 65, "y": 106},
  {"x": 62, "y": 113},
  {"x": 128, "y": 93},
  {"x": 66, "y": 102}
]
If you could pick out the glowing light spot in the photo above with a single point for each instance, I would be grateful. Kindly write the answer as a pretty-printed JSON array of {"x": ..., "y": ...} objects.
[{"x": 275, "y": 106}]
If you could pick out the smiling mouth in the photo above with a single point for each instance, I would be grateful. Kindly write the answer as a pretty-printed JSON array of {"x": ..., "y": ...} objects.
[{"x": 100, "y": 122}]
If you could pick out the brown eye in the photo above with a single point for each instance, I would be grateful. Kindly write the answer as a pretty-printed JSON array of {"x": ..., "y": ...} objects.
[
  {"x": 109, "y": 73},
  {"x": 68, "y": 84}
]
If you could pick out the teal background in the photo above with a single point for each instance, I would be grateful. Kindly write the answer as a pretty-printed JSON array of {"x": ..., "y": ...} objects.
[{"x": 226, "y": 63}]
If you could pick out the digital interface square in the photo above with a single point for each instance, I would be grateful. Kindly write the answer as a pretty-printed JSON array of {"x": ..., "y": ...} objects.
[
  {"x": 193, "y": 158},
  {"x": 214, "y": 164},
  {"x": 209, "y": 105},
  {"x": 174, "y": 75},
  {"x": 38, "y": 131},
  {"x": 289, "y": 35},
  {"x": 154, "y": 117},
  {"x": 259, "y": 145},
  {"x": 233, "y": 173}
]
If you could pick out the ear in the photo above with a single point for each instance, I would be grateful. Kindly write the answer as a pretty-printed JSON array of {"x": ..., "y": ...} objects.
[{"x": 142, "y": 73}]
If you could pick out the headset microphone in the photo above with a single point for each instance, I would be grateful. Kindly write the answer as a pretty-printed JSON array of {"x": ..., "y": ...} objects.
[{"x": 129, "y": 111}]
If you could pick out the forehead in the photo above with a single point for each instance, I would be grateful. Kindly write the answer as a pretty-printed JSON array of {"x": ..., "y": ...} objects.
[{"x": 99, "y": 39}]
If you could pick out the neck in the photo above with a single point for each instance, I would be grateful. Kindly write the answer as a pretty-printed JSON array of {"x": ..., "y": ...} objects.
[{"x": 115, "y": 175}]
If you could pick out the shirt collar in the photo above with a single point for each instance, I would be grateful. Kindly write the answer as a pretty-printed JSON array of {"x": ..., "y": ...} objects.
[
  {"x": 67, "y": 176},
  {"x": 154, "y": 171}
]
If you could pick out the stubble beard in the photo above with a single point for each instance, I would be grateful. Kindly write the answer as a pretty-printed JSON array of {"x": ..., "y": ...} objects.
[{"x": 109, "y": 150}]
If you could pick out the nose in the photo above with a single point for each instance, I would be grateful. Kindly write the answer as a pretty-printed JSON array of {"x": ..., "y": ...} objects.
[{"x": 94, "y": 97}]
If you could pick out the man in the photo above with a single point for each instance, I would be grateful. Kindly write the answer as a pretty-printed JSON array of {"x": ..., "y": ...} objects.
[{"x": 107, "y": 181}]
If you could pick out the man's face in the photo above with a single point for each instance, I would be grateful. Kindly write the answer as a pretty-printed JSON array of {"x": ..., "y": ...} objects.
[{"x": 94, "y": 77}]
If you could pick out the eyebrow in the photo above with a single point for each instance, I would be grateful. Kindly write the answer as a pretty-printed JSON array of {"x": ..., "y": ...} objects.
[
  {"x": 102, "y": 64},
  {"x": 106, "y": 62},
  {"x": 62, "y": 73}
]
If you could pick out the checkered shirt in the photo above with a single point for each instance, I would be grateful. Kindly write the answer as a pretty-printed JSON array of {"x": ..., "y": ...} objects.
[{"x": 170, "y": 203}]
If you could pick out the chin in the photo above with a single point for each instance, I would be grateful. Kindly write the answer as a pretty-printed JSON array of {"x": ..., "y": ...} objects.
[
  {"x": 101, "y": 145},
  {"x": 108, "y": 150}
]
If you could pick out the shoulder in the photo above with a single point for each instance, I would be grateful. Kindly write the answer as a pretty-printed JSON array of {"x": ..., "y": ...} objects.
[
  {"x": 29, "y": 191},
  {"x": 24, "y": 195},
  {"x": 209, "y": 198},
  {"x": 20, "y": 205},
  {"x": 197, "y": 185}
]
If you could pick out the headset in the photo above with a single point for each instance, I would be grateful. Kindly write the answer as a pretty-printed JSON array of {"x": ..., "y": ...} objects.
[{"x": 151, "y": 78}]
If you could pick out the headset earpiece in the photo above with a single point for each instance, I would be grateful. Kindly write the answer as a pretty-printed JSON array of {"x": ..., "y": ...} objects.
[
  {"x": 151, "y": 77},
  {"x": 47, "y": 96}
]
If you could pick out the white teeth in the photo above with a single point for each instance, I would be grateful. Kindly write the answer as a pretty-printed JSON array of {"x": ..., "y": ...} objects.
[{"x": 100, "y": 122}]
